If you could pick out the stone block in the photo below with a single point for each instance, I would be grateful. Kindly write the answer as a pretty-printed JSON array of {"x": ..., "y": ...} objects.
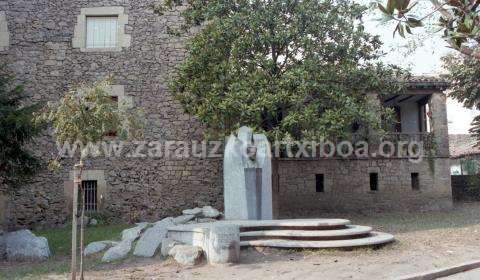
[
  {"x": 223, "y": 244},
  {"x": 186, "y": 254}
]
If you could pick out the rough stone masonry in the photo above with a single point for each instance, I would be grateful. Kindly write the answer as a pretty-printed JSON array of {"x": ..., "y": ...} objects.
[
  {"x": 41, "y": 55},
  {"x": 39, "y": 44}
]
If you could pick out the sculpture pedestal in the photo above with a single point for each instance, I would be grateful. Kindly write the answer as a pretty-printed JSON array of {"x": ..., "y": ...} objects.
[{"x": 223, "y": 244}]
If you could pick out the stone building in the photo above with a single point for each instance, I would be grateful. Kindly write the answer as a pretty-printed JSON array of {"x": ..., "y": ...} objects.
[
  {"x": 51, "y": 46},
  {"x": 465, "y": 154},
  {"x": 338, "y": 184}
]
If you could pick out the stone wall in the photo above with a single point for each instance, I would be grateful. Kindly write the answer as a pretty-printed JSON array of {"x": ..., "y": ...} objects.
[
  {"x": 347, "y": 186},
  {"x": 41, "y": 55}
]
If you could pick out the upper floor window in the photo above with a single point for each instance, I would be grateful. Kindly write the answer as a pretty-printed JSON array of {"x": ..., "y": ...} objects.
[
  {"x": 4, "y": 34},
  {"x": 102, "y": 32},
  {"x": 101, "y": 29}
]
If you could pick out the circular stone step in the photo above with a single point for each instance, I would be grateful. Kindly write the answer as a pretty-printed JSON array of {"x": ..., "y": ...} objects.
[
  {"x": 375, "y": 238},
  {"x": 351, "y": 230},
  {"x": 294, "y": 223}
]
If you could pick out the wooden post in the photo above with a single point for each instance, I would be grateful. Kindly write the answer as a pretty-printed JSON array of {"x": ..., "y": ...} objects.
[
  {"x": 77, "y": 182},
  {"x": 82, "y": 230}
]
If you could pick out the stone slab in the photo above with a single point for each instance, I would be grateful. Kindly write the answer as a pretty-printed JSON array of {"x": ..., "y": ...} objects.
[
  {"x": 376, "y": 238},
  {"x": 98, "y": 246},
  {"x": 204, "y": 227},
  {"x": 351, "y": 230},
  {"x": 151, "y": 239},
  {"x": 291, "y": 223},
  {"x": 194, "y": 237}
]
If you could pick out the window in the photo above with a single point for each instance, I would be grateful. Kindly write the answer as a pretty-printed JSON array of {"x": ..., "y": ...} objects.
[
  {"x": 374, "y": 181},
  {"x": 4, "y": 34},
  {"x": 90, "y": 195},
  {"x": 102, "y": 32},
  {"x": 101, "y": 29},
  {"x": 319, "y": 183},
  {"x": 415, "y": 181}
]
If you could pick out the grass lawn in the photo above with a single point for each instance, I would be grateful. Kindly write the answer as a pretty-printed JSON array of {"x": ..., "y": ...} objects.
[{"x": 59, "y": 240}]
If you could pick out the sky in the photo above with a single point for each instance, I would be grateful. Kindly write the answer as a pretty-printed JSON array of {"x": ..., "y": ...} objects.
[{"x": 421, "y": 53}]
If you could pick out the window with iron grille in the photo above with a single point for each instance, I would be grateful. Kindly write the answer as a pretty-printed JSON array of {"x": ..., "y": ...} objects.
[{"x": 90, "y": 195}]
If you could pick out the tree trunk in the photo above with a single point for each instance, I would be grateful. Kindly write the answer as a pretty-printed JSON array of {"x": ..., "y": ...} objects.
[
  {"x": 77, "y": 182},
  {"x": 82, "y": 230}
]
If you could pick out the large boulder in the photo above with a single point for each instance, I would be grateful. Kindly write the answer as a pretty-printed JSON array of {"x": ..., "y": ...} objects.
[
  {"x": 23, "y": 245},
  {"x": 121, "y": 250},
  {"x": 98, "y": 246},
  {"x": 187, "y": 254},
  {"x": 148, "y": 244},
  {"x": 118, "y": 252}
]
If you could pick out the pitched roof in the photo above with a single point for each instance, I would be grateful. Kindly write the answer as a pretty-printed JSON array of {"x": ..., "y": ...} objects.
[
  {"x": 463, "y": 145},
  {"x": 428, "y": 82}
]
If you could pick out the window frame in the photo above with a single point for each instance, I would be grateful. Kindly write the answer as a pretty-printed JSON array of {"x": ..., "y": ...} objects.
[
  {"x": 89, "y": 189},
  {"x": 4, "y": 33},
  {"x": 79, "y": 39}
]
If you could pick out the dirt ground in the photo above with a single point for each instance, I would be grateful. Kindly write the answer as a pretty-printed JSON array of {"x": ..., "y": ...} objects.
[{"x": 425, "y": 241}]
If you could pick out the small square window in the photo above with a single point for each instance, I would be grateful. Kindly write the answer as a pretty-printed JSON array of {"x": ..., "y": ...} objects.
[
  {"x": 102, "y": 32},
  {"x": 114, "y": 99}
]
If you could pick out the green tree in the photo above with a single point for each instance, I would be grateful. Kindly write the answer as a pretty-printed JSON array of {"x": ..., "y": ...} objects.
[
  {"x": 464, "y": 75},
  {"x": 84, "y": 115},
  {"x": 458, "y": 19},
  {"x": 293, "y": 69},
  {"x": 17, "y": 130}
]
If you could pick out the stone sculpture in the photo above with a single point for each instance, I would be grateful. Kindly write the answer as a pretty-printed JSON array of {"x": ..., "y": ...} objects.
[{"x": 248, "y": 176}]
